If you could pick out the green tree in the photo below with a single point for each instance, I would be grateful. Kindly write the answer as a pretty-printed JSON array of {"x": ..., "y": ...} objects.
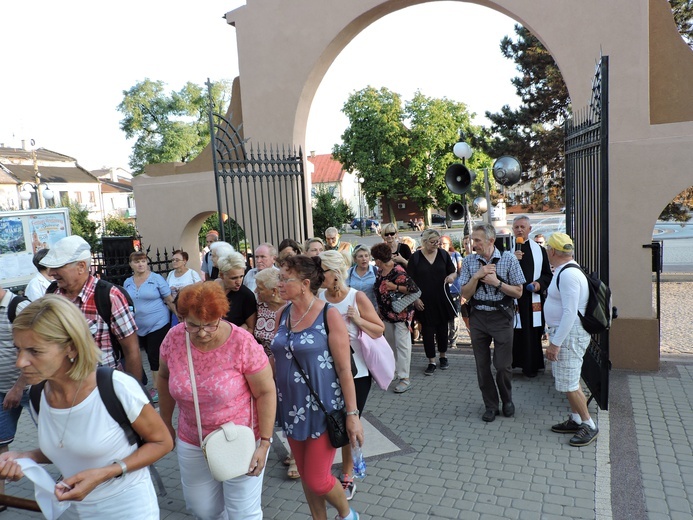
[
  {"x": 168, "y": 127},
  {"x": 82, "y": 225},
  {"x": 233, "y": 233},
  {"x": 435, "y": 128},
  {"x": 683, "y": 16},
  {"x": 533, "y": 132},
  {"x": 328, "y": 211},
  {"x": 118, "y": 227},
  {"x": 374, "y": 145}
]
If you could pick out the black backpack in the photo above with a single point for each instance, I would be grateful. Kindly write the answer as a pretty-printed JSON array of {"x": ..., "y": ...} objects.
[
  {"x": 599, "y": 312},
  {"x": 104, "y": 382},
  {"x": 12, "y": 307},
  {"x": 102, "y": 299}
]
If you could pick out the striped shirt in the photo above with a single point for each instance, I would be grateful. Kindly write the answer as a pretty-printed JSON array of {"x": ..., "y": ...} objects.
[
  {"x": 508, "y": 271},
  {"x": 9, "y": 373}
]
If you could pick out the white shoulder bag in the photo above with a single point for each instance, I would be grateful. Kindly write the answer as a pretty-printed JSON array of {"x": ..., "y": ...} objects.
[{"x": 229, "y": 449}]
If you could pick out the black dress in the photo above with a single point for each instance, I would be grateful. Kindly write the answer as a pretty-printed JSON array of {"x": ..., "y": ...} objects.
[
  {"x": 242, "y": 305},
  {"x": 435, "y": 294}
]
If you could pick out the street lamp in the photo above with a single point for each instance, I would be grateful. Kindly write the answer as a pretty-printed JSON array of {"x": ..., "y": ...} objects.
[
  {"x": 28, "y": 189},
  {"x": 362, "y": 224}
]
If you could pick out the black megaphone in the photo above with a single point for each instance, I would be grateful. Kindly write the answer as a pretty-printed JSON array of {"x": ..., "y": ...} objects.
[
  {"x": 456, "y": 211},
  {"x": 459, "y": 178}
]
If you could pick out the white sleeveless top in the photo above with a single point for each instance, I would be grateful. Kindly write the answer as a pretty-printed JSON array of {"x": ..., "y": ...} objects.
[{"x": 342, "y": 307}]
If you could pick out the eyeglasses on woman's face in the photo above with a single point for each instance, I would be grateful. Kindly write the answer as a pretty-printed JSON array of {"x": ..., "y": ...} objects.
[
  {"x": 434, "y": 241},
  {"x": 283, "y": 280},
  {"x": 175, "y": 260},
  {"x": 194, "y": 328}
]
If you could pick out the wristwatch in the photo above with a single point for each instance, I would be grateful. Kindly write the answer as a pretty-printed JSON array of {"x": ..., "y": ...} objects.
[
  {"x": 499, "y": 285},
  {"x": 268, "y": 439}
]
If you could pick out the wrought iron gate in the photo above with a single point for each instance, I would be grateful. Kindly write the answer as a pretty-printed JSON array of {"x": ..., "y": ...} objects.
[
  {"x": 262, "y": 190},
  {"x": 587, "y": 210}
]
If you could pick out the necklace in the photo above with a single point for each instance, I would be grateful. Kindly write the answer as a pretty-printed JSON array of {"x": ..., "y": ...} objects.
[
  {"x": 305, "y": 313},
  {"x": 74, "y": 400}
]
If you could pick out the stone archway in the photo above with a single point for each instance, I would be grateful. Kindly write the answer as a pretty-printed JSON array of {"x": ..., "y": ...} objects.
[{"x": 285, "y": 49}]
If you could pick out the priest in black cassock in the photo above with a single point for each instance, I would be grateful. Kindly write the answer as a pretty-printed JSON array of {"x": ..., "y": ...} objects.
[{"x": 529, "y": 318}]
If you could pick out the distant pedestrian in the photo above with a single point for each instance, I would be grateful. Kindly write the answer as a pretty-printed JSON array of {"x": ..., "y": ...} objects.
[
  {"x": 568, "y": 341},
  {"x": 209, "y": 271},
  {"x": 38, "y": 284}
]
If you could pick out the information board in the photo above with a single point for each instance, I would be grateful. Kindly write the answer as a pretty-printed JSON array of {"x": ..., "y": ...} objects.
[{"x": 23, "y": 233}]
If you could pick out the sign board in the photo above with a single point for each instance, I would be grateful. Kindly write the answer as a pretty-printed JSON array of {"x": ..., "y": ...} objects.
[{"x": 23, "y": 233}]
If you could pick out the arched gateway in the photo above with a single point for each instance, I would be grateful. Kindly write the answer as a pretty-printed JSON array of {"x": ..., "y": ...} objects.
[{"x": 285, "y": 49}]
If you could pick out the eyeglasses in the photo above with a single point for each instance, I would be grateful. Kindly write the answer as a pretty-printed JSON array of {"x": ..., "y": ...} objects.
[
  {"x": 389, "y": 234},
  {"x": 197, "y": 328},
  {"x": 434, "y": 242},
  {"x": 177, "y": 260},
  {"x": 287, "y": 280}
]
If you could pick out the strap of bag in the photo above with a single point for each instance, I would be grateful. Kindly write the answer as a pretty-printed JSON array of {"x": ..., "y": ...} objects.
[{"x": 193, "y": 384}]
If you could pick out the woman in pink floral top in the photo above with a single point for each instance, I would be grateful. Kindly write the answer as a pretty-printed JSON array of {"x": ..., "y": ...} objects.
[{"x": 231, "y": 369}]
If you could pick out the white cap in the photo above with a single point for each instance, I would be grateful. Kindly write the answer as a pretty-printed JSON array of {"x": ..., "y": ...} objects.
[{"x": 67, "y": 250}]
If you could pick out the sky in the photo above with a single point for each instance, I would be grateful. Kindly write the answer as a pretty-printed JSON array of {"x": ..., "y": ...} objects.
[{"x": 68, "y": 63}]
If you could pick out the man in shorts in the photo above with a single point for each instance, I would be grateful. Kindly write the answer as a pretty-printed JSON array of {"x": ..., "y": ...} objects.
[{"x": 568, "y": 341}]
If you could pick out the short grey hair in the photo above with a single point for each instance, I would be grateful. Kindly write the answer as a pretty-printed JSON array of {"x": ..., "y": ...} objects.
[
  {"x": 221, "y": 249},
  {"x": 521, "y": 217},
  {"x": 268, "y": 277},
  {"x": 487, "y": 229},
  {"x": 331, "y": 231},
  {"x": 231, "y": 261},
  {"x": 272, "y": 249},
  {"x": 360, "y": 248}
]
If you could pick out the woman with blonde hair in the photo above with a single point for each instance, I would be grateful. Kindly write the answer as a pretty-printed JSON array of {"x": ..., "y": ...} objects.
[
  {"x": 362, "y": 275},
  {"x": 242, "y": 303},
  {"x": 75, "y": 429},
  {"x": 432, "y": 270},
  {"x": 360, "y": 316},
  {"x": 234, "y": 383},
  {"x": 314, "y": 246},
  {"x": 400, "y": 251}
]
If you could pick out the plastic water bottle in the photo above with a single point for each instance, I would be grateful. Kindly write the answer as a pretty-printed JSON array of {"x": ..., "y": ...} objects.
[{"x": 359, "y": 463}]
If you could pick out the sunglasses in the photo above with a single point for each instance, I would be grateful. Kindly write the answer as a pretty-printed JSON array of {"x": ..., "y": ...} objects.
[{"x": 389, "y": 234}]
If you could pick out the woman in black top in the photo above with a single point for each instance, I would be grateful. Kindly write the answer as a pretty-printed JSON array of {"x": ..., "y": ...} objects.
[
  {"x": 432, "y": 270},
  {"x": 242, "y": 302},
  {"x": 400, "y": 252}
]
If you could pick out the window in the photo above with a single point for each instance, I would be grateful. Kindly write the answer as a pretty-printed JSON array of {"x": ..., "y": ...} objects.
[
  {"x": 64, "y": 197},
  {"x": 78, "y": 197},
  {"x": 92, "y": 197}
]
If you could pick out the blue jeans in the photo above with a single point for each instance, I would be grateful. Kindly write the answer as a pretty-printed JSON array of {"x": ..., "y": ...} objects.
[{"x": 10, "y": 418}]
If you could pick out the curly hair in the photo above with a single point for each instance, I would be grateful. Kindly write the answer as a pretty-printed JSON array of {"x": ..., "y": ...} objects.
[
  {"x": 381, "y": 252},
  {"x": 204, "y": 300},
  {"x": 306, "y": 268}
]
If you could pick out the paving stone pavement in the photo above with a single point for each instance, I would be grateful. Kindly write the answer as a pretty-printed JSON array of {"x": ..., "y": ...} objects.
[{"x": 453, "y": 465}]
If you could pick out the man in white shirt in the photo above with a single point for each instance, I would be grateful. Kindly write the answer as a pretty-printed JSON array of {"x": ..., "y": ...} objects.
[
  {"x": 567, "y": 295},
  {"x": 39, "y": 283},
  {"x": 265, "y": 256}
]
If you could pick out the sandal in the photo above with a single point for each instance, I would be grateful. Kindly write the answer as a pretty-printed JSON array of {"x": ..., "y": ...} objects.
[
  {"x": 292, "y": 472},
  {"x": 288, "y": 460}
]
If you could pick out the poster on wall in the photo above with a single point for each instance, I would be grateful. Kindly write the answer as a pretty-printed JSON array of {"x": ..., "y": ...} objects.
[{"x": 23, "y": 233}]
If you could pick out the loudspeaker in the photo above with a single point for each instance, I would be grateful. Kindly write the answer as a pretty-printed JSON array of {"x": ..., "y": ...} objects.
[
  {"x": 507, "y": 170},
  {"x": 459, "y": 178},
  {"x": 456, "y": 211}
]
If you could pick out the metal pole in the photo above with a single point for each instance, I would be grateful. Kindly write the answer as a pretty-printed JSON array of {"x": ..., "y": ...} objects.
[
  {"x": 487, "y": 187},
  {"x": 361, "y": 222}
]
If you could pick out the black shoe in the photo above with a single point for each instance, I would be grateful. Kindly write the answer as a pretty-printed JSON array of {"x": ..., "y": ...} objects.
[
  {"x": 584, "y": 436},
  {"x": 529, "y": 374},
  {"x": 444, "y": 363},
  {"x": 490, "y": 415},
  {"x": 508, "y": 409},
  {"x": 430, "y": 369},
  {"x": 568, "y": 426}
]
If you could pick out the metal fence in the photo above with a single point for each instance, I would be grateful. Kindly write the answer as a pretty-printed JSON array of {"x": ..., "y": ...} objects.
[{"x": 587, "y": 211}]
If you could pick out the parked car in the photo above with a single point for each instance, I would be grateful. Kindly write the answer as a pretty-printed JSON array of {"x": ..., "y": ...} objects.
[
  {"x": 369, "y": 224},
  {"x": 438, "y": 219}
]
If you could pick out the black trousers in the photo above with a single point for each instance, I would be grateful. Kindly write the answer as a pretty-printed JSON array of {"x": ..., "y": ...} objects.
[
  {"x": 496, "y": 326},
  {"x": 432, "y": 335}
]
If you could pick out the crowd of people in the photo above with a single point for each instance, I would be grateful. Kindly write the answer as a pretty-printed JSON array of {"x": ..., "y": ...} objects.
[{"x": 272, "y": 343}]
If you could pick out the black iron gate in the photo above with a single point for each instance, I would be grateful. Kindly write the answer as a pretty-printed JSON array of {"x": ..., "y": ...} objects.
[
  {"x": 587, "y": 210},
  {"x": 262, "y": 190}
]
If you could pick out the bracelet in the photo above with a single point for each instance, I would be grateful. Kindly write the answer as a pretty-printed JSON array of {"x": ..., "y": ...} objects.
[
  {"x": 123, "y": 467},
  {"x": 355, "y": 412}
]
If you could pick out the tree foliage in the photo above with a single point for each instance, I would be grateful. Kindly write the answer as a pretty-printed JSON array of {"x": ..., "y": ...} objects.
[
  {"x": 328, "y": 211},
  {"x": 118, "y": 227},
  {"x": 168, "y": 127},
  {"x": 403, "y": 151},
  {"x": 233, "y": 233},
  {"x": 683, "y": 16},
  {"x": 679, "y": 209},
  {"x": 533, "y": 132},
  {"x": 82, "y": 225}
]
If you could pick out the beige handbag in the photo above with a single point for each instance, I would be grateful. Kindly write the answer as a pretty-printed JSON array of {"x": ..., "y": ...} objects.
[{"x": 229, "y": 449}]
